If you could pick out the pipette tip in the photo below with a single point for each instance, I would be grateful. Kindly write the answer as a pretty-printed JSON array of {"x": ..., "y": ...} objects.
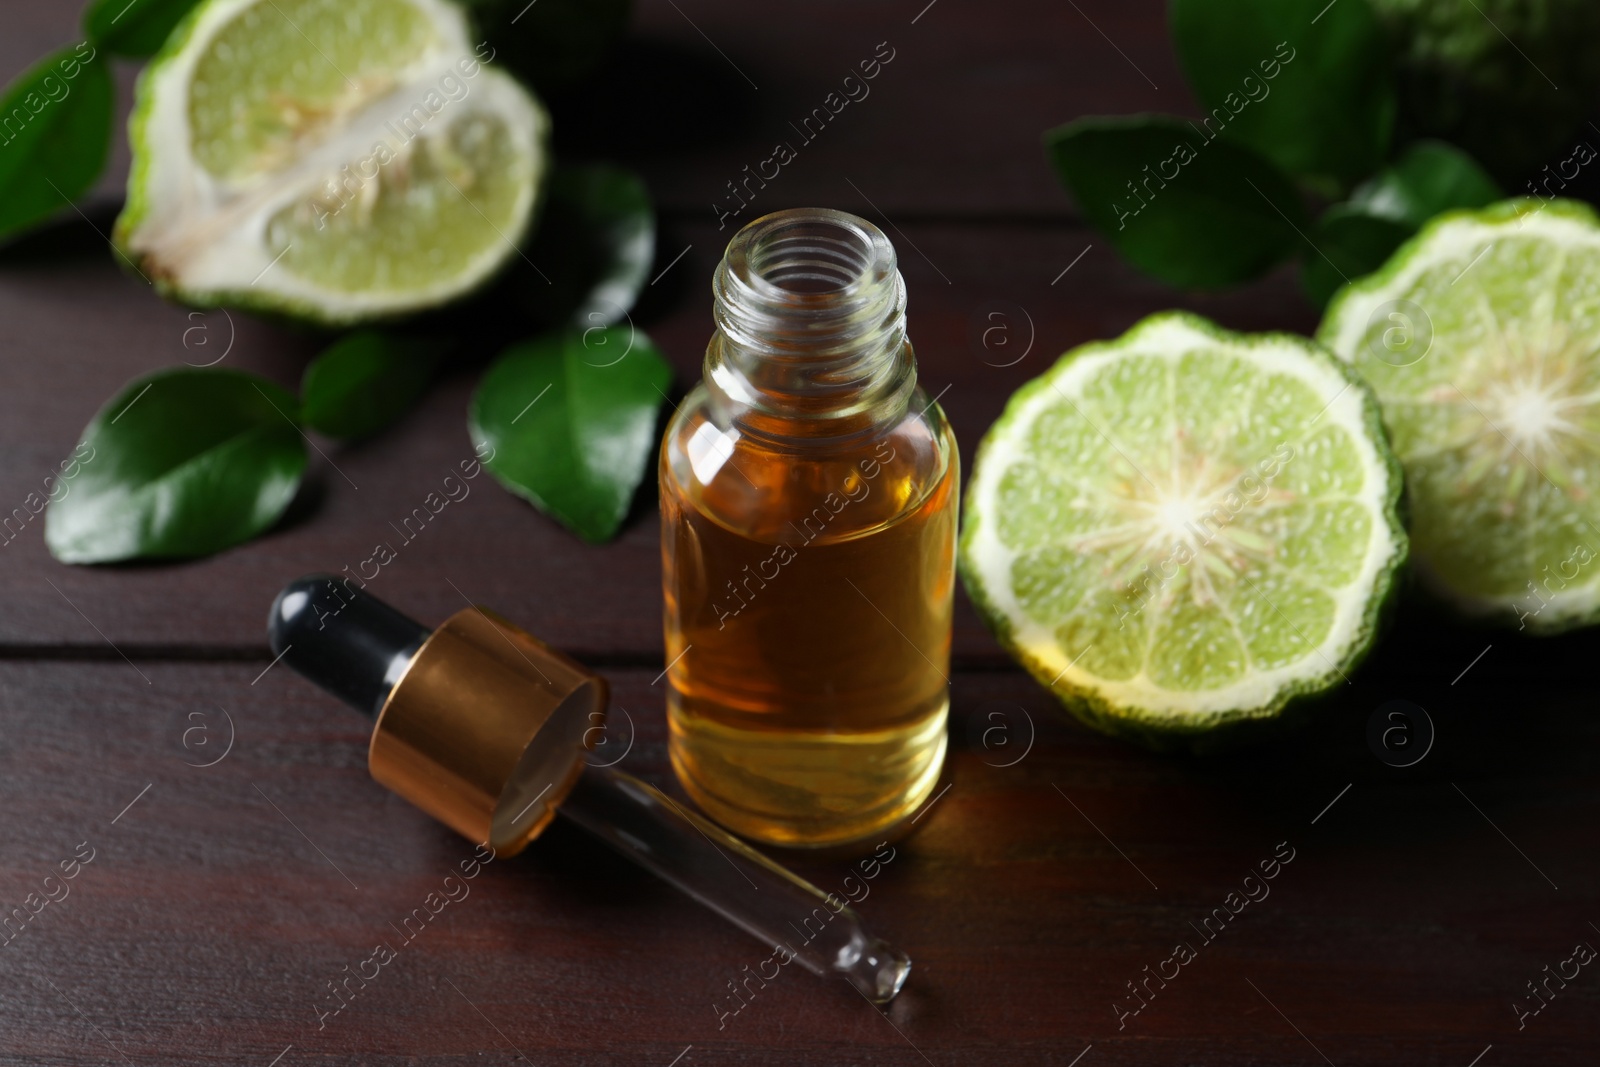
[{"x": 878, "y": 970}]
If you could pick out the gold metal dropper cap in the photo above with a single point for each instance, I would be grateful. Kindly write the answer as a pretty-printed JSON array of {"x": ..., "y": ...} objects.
[{"x": 486, "y": 730}]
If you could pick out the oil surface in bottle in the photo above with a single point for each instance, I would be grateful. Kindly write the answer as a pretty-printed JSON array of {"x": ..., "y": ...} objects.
[{"x": 808, "y": 625}]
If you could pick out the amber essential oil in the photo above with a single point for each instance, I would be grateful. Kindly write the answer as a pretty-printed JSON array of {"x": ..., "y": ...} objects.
[{"x": 808, "y": 493}]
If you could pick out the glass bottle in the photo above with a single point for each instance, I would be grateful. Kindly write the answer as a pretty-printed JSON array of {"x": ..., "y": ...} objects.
[{"x": 808, "y": 505}]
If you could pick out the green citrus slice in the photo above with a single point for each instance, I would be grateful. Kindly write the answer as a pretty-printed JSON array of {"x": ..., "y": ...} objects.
[
  {"x": 336, "y": 160},
  {"x": 1481, "y": 338},
  {"x": 1185, "y": 528}
]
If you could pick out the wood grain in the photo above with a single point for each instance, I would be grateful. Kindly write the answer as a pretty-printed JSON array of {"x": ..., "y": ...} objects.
[
  {"x": 984, "y": 316},
  {"x": 950, "y": 125},
  {"x": 1058, "y": 865},
  {"x": 221, "y": 903}
]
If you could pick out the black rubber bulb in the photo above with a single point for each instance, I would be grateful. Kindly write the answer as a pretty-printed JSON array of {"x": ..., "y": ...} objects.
[{"x": 349, "y": 642}]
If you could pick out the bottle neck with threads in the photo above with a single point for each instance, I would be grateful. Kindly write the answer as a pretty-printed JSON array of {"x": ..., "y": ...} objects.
[{"x": 811, "y": 330}]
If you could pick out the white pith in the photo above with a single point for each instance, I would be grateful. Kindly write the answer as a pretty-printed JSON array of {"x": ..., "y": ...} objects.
[
  {"x": 206, "y": 236},
  {"x": 1527, "y": 405},
  {"x": 1171, "y": 510},
  {"x": 1168, "y": 504}
]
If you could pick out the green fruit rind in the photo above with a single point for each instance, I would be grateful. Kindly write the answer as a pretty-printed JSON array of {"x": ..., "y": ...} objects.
[
  {"x": 136, "y": 207},
  {"x": 1140, "y": 711},
  {"x": 1540, "y": 238},
  {"x": 203, "y": 239}
]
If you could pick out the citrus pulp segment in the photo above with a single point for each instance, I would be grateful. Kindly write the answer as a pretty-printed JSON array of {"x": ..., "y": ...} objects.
[
  {"x": 1185, "y": 528},
  {"x": 336, "y": 160},
  {"x": 1481, "y": 338}
]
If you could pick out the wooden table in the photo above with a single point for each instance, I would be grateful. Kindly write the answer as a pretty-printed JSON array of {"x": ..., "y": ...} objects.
[{"x": 222, "y": 900}]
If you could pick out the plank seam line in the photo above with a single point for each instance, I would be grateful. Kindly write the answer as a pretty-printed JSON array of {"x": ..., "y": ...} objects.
[{"x": 203, "y": 654}]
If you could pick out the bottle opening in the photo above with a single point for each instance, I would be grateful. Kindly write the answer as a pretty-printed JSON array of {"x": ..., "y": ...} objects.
[
  {"x": 814, "y": 252},
  {"x": 810, "y": 315}
]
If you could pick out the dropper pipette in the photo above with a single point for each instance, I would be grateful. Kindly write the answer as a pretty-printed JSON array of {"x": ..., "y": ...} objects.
[{"x": 486, "y": 728}]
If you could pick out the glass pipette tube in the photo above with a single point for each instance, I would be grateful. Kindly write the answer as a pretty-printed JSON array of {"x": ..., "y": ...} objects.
[
  {"x": 485, "y": 727},
  {"x": 784, "y": 911}
]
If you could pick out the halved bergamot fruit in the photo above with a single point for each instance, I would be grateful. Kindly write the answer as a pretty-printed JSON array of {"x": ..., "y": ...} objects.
[
  {"x": 1185, "y": 529},
  {"x": 1481, "y": 338},
  {"x": 336, "y": 160}
]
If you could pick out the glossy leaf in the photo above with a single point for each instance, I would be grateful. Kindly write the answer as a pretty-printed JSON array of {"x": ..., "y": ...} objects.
[
  {"x": 365, "y": 381},
  {"x": 180, "y": 463},
  {"x": 134, "y": 28},
  {"x": 1431, "y": 177},
  {"x": 1306, "y": 83},
  {"x": 1356, "y": 238},
  {"x": 1186, "y": 209},
  {"x": 595, "y": 243},
  {"x": 568, "y": 421},
  {"x": 1349, "y": 242},
  {"x": 55, "y": 128}
]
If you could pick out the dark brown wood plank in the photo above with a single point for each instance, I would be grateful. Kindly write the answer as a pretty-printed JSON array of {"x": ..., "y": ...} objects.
[
  {"x": 951, "y": 124},
  {"x": 977, "y": 296},
  {"x": 1056, "y": 868},
  {"x": 208, "y": 924},
  {"x": 961, "y": 69}
]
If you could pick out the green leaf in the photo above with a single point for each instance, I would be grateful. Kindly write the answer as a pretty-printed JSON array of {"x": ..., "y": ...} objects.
[
  {"x": 568, "y": 421},
  {"x": 181, "y": 463},
  {"x": 133, "y": 28},
  {"x": 1431, "y": 177},
  {"x": 595, "y": 243},
  {"x": 1188, "y": 210},
  {"x": 1358, "y": 236},
  {"x": 1348, "y": 242},
  {"x": 55, "y": 127},
  {"x": 1306, "y": 83},
  {"x": 365, "y": 381}
]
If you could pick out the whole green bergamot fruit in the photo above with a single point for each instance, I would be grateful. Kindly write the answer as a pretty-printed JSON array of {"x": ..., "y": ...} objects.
[{"x": 1511, "y": 81}]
